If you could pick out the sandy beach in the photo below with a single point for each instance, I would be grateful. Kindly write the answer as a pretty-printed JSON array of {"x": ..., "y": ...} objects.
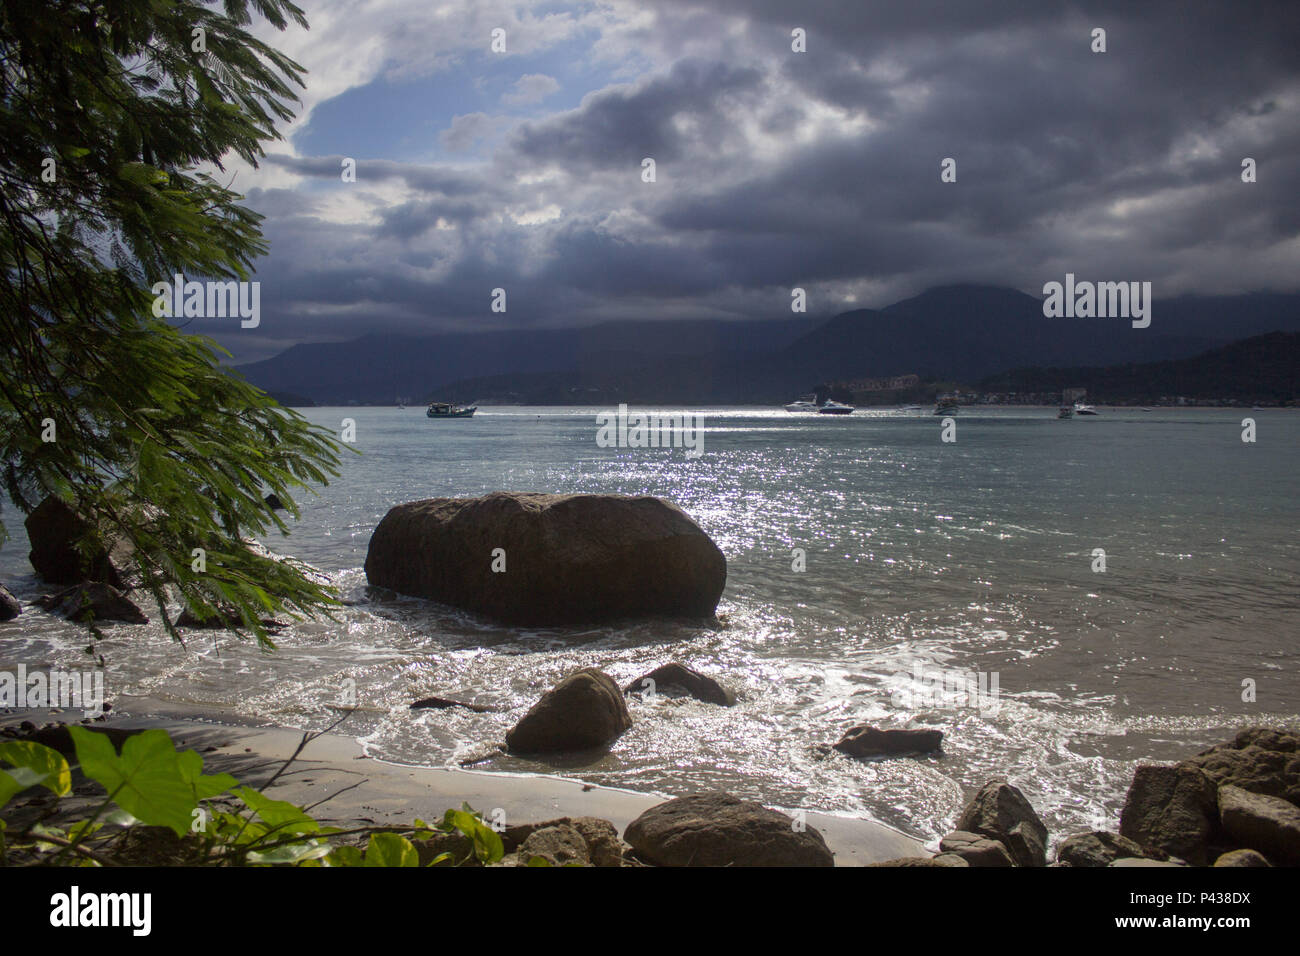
[{"x": 366, "y": 791}]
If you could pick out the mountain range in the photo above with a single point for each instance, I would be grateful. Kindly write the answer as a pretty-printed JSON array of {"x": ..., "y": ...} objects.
[{"x": 961, "y": 333}]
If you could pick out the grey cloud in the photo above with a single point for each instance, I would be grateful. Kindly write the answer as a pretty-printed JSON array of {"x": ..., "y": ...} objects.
[{"x": 1127, "y": 161}]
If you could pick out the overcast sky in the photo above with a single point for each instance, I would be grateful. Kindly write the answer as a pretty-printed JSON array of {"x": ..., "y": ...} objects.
[{"x": 774, "y": 169}]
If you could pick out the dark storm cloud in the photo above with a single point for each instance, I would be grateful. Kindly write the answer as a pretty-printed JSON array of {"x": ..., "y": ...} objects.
[
  {"x": 623, "y": 126},
  {"x": 778, "y": 168}
]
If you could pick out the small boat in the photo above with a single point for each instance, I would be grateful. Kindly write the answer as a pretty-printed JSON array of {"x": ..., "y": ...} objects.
[
  {"x": 1082, "y": 409},
  {"x": 835, "y": 408},
  {"x": 1065, "y": 411},
  {"x": 447, "y": 410},
  {"x": 801, "y": 406}
]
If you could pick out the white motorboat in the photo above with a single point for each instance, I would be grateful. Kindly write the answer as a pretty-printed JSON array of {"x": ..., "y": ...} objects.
[
  {"x": 1082, "y": 409},
  {"x": 448, "y": 410},
  {"x": 835, "y": 408},
  {"x": 801, "y": 406}
]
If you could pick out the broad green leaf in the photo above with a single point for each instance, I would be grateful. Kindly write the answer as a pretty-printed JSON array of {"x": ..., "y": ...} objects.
[
  {"x": 487, "y": 842},
  {"x": 146, "y": 780},
  {"x": 391, "y": 849},
  {"x": 291, "y": 853},
  {"x": 345, "y": 856},
  {"x": 280, "y": 816},
  {"x": 49, "y": 763},
  {"x": 205, "y": 786}
]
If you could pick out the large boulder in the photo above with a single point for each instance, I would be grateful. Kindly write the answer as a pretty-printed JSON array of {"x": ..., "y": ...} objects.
[
  {"x": 582, "y": 711},
  {"x": 1256, "y": 821},
  {"x": 1242, "y": 858},
  {"x": 717, "y": 829},
  {"x": 54, "y": 529},
  {"x": 93, "y": 602},
  {"x": 1172, "y": 809},
  {"x": 559, "y": 845},
  {"x": 604, "y": 848},
  {"x": 562, "y": 559},
  {"x": 864, "y": 741},
  {"x": 1000, "y": 811},
  {"x": 975, "y": 849},
  {"x": 691, "y": 681},
  {"x": 10, "y": 606},
  {"x": 1260, "y": 759},
  {"x": 1102, "y": 848}
]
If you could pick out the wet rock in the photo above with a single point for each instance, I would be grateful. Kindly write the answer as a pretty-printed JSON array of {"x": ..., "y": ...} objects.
[
  {"x": 1102, "y": 848},
  {"x": 93, "y": 601},
  {"x": 951, "y": 859},
  {"x": 691, "y": 681},
  {"x": 1257, "y": 821},
  {"x": 54, "y": 529},
  {"x": 975, "y": 849},
  {"x": 10, "y": 606},
  {"x": 718, "y": 829},
  {"x": 864, "y": 741},
  {"x": 443, "y": 703},
  {"x": 1172, "y": 809},
  {"x": 559, "y": 845},
  {"x": 222, "y": 618},
  {"x": 1000, "y": 811},
  {"x": 1242, "y": 858},
  {"x": 582, "y": 711},
  {"x": 604, "y": 848},
  {"x": 568, "y": 559},
  {"x": 1260, "y": 759}
]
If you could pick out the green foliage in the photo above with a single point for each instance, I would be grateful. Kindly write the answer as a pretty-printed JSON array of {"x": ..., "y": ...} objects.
[
  {"x": 487, "y": 842},
  {"x": 391, "y": 849},
  {"x": 154, "y": 441},
  {"x": 151, "y": 783},
  {"x": 148, "y": 780},
  {"x": 32, "y": 764}
]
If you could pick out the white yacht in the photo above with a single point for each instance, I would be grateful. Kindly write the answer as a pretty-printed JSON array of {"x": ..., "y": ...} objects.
[
  {"x": 801, "y": 406},
  {"x": 1082, "y": 409},
  {"x": 835, "y": 408}
]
